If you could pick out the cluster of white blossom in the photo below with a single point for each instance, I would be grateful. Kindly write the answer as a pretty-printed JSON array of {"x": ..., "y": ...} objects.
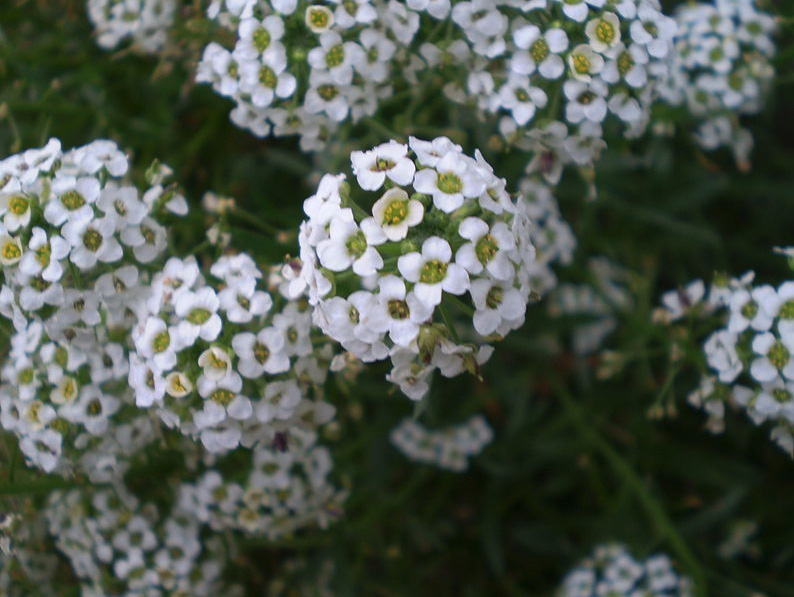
[
  {"x": 722, "y": 68},
  {"x": 751, "y": 357},
  {"x": 385, "y": 281},
  {"x": 286, "y": 488},
  {"x": 613, "y": 571},
  {"x": 119, "y": 546},
  {"x": 143, "y": 22},
  {"x": 604, "y": 295},
  {"x": 448, "y": 448},
  {"x": 76, "y": 245},
  {"x": 216, "y": 360},
  {"x": 566, "y": 65}
]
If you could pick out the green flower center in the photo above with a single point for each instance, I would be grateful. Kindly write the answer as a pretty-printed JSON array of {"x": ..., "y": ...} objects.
[
  {"x": 318, "y": 17},
  {"x": 539, "y": 50},
  {"x": 395, "y": 213},
  {"x": 749, "y": 310},
  {"x": 94, "y": 407},
  {"x": 233, "y": 69},
  {"x": 787, "y": 310},
  {"x": 625, "y": 62},
  {"x": 292, "y": 335},
  {"x": 25, "y": 376},
  {"x": 261, "y": 353},
  {"x": 605, "y": 32},
  {"x": 486, "y": 248},
  {"x": 356, "y": 244},
  {"x": 261, "y": 39},
  {"x": 433, "y": 271},
  {"x": 350, "y": 6},
  {"x": 222, "y": 397},
  {"x": 494, "y": 297},
  {"x": 43, "y": 255},
  {"x": 161, "y": 341},
  {"x": 216, "y": 361},
  {"x": 327, "y": 92},
  {"x": 11, "y": 250},
  {"x": 398, "y": 309},
  {"x": 148, "y": 235},
  {"x": 353, "y": 314},
  {"x": 267, "y": 77},
  {"x": 335, "y": 56},
  {"x": 522, "y": 95},
  {"x": 92, "y": 239},
  {"x": 781, "y": 395},
  {"x": 449, "y": 183},
  {"x": 716, "y": 54},
  {"x": 383, "y": 164},
  {"x": 121, "y": 209},
  {"x": 651, "y": 28},
  {"x": 72, "y": 200},
  {"x": 198, "y": 316},
  {"x": 243, "y": 302},
  {"x": 18, "y": 205},
  {"x": 40, "y": 284},
  {"x": 581, "y": 63},
  {"x": 778, "y": 355},
  {"x": 177, "y": 385}
]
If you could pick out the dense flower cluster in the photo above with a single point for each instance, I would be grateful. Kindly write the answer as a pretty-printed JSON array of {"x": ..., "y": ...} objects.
[
  {"x": 569, "y": 62},
  {"x": 143, "y": 22},
  {"x": 217, "y": 361},
  {"x": 751, "y": 357},
  {"x": 449, "y": 448},
  {"x": 722, "y": 68},
  {"x": 122, "y": 547},
  {"x": 385, "y": 281},
  {"x": 76, "y": 246},
  {"x": 287, "y": 488},
  {"x": 613, "y": 571}
]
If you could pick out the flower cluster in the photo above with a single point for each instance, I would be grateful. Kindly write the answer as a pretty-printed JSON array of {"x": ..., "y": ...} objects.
[
  {"x": 751, "y": 357},
  {"x": 569, "y": 63},
  {"x": 218, "y": 362},
  {"x": 385, "y": 281},
  {"x": 27, "y": 562},
  {"x": 119, "y": 546},
  {"x": 612, "y": 570},
  {"x": 76, "y": 245},
  {"x": 144, "y": 22},
  {"x": 722, "y": 68},
  {"x": 287, "y": 488},
  {"x": 449, "y": 448}
]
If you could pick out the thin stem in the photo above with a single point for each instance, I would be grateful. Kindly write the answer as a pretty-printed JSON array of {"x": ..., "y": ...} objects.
[
  {"x": 448, "y": 322},
  {"x": 654, "y": 510}
]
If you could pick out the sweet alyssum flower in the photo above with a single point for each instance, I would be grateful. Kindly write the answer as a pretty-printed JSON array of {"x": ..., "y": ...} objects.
[{"x": 399, "y": 305}]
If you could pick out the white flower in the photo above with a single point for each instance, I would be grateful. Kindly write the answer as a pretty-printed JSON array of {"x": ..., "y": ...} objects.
[
  {"x": 394, "y": 212},
  {"x": 495, "y": 304},
  {"x": 775, "y": 356},
  {"x": 431, "y": 271},
  {"x": 521, "y": 98},
  {"x": 454, "y": 178},
  {"x": 215, "y": 363},
  {"x": 350, "y": 245},
  {"x": 74, "y": 199},
  {"x": 155, "y": 341},
  {"x": 488, "y": 248},
  {"x": 603, "y": 32},
  {"x": 584, "y": 63},
  {"x": 387, "y": 160},
  {"x": 281, "y": 398},
  {"x": 543, "y": 49},
  {"x": 199, "y": 317},
  {"x": 318, "y": 18},
  {"x": 92, "y": 240},
  {"x": 260, "y": 353},
  {"x": 398, "y": 312}
]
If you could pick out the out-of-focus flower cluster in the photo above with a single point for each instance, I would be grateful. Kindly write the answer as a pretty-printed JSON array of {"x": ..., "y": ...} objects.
[
  {"x": 304, "y": 68},
  {"x": 287, "y": 488},
  {"x": 448, "y": 448},
  {"x": 722, "y": 69},
  {"x": 750, "y": 357},
  {"x": 440, "y": 236},
  {"x": 144, "y": 23},
  {"x": 613, "y": 571},
  {"x": 118, "y": 545},
  {"x": 217, "y": 361},
  {"x": 77, "y": 244}
]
